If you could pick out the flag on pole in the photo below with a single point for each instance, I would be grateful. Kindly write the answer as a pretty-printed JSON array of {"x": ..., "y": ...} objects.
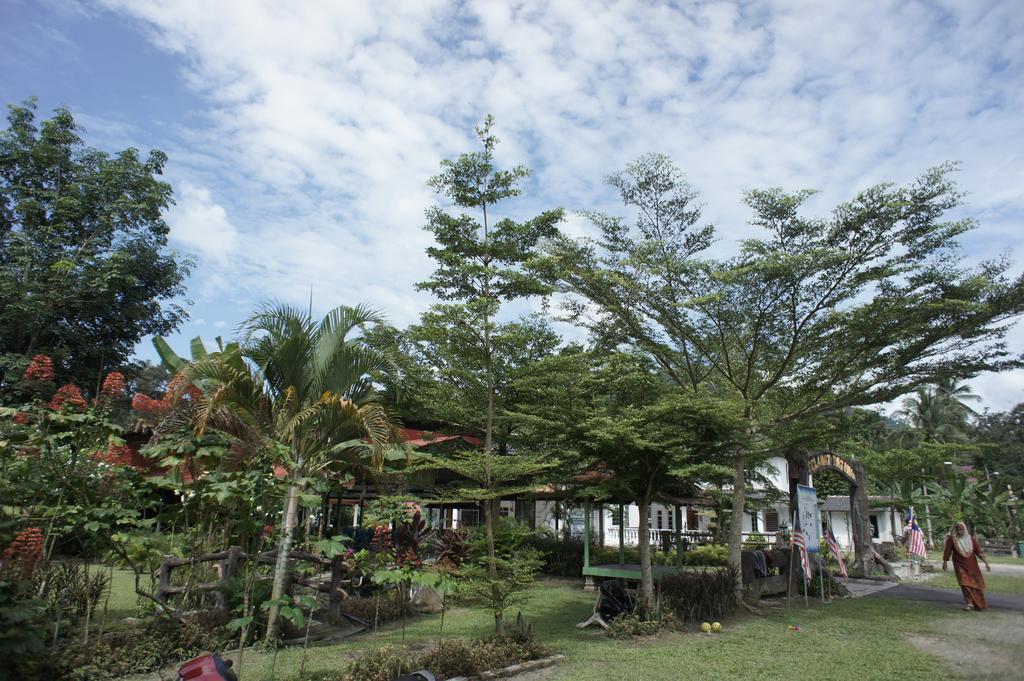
[
  {"x": 798, "y": 543},
  {"x": 915, "y": 536},
  {"x": 833, "y": 546}
]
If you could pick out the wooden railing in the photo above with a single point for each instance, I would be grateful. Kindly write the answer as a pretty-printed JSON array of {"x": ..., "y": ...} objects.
[
  {"x": 226, "y": 564},
  {"x": 631, "y": 536}
]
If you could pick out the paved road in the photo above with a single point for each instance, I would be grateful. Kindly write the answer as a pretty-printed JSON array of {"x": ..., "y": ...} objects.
[{"x": 934, "y": 594}]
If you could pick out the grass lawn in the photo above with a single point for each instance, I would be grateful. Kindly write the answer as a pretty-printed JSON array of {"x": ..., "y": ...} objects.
[
  {"x": 994, "y": 583},
  {"x": 936, "y": 556},
  {"x": 122, "y": 601},
  {"x": 853, "y": 639}
]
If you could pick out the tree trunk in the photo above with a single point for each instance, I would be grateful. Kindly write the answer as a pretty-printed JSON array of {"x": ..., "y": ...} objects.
[
  {"x": 492, "y": 563},
  {"x": 646, "y": 574},
  {"x": 284, "y": 547},
  {"x": 739, "y": 499},
  {"x": 860, "y": 515}
]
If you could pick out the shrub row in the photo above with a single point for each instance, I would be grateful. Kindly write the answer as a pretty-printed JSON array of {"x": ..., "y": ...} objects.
[
  {"x": 450, "y": 658},
  {"x": 700, "y": 595}
]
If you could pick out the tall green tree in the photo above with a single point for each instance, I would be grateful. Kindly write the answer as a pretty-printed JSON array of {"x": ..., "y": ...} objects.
[
  {"x": 301, "y": 389},
  {"x": 639, "y": 437},
  {"x": 443, "y": 372},
  {"x": 816, "y": 315},
  {"x": 84, "y": 268},
  {"x": 1000, "y": 439},
  {"x": 480, "y": 264}
]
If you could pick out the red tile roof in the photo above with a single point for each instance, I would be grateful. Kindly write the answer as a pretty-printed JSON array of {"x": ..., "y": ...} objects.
[{"x": 425, "y": 438}]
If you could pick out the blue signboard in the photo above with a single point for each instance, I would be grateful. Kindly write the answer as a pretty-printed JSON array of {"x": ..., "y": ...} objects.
[{"x": 810, "y": 518}]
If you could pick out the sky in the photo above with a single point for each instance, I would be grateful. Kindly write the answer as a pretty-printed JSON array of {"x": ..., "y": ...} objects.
[{"x": 301, "y": 135}]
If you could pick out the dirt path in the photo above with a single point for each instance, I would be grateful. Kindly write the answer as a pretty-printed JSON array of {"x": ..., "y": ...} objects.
[{"x": 978, "y": 645}]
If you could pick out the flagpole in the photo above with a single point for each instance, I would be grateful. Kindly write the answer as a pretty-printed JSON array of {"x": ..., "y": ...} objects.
[
  {"x": 828, "y": 541},
  {"x": 821, "y": 575},
  {"x": 789, "y": 589},
  {"x": 803, "y": 572},
  {"x": 806, "y": 602}
]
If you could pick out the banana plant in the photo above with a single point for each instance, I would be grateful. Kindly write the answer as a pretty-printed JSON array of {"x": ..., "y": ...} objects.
[{"x": 175, "y": 363}]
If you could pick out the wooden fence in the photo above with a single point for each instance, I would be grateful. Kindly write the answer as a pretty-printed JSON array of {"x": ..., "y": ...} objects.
[{"x": 226, "y": 566}]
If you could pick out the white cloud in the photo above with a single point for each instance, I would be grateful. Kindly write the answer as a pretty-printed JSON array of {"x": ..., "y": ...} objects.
[
  {"x": 326, "y": 119},
  {"x": 198, "y": 223}
]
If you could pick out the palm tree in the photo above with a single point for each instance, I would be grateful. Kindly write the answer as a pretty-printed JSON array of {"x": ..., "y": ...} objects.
[
  {"x": 940, "y": 411},
  {"x": 302, "y": 388},
  {"x": 956, "y": 395}
]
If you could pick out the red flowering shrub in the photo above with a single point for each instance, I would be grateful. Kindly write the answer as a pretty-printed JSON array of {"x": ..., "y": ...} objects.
[
  {"x": 114, "y": 386},
  {"x": 22, "y": 418},
  {"x": 24, "y": 554},
  {"x": 179, "y": 388},
  {"x": 409, "y": 559},
  {"x": 39, "y": 370},
  {"x": 69, "y": 395},
  {"x": 147, "y": 405},
  {"x": 115, "y": 455},
  {"x": 382, "y": 540}
]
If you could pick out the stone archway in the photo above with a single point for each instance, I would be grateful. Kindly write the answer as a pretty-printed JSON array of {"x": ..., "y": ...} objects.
[{"x": 802, "y": 464}]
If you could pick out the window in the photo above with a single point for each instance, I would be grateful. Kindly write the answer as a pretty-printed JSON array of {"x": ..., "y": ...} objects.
[
  {"x": 617, "y": 513},
  {"x": 504, "y": 511},
  {"x": 660, "y": 526},
  {"x": 469, "y": 517},
  {"x": 671, "y": 516},
  {"x": 692, "y": 519},
  {"x": 771, "y": 520},
  {"x": 753, "y": 522},
  {"x": 874, "y": 526}
]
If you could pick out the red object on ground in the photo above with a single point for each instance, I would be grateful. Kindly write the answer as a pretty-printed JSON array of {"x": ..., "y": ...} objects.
[{"x": 207, "y": 668}]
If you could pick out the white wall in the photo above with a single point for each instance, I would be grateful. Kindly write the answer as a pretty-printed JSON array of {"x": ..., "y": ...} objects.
[
  {"x": 841, "y": 527},
  {"x": 777, "y": 472}
]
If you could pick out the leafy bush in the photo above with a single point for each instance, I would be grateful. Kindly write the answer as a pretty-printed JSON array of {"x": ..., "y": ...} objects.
[
  {"x": 73, "y": 589},
  {"x": 755, "y": 542},
  {"x": 695, "y": 596},
  {"x": 409, "y": 536},
  {"x": 381, "y": 609},
  {"x": 631, "y": 625},
  {"x": 383, "y": 664},
  {"x": 158, "y": 643},
  {"x": 451, "y": 547},
  {"x": 21, "y": 631},
  {"x": 708, "y": 554},
  {"x": 456, "y": 657}
]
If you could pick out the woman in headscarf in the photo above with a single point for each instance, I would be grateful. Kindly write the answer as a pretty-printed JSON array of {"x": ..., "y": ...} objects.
[{"x": 964, "y": 550}]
